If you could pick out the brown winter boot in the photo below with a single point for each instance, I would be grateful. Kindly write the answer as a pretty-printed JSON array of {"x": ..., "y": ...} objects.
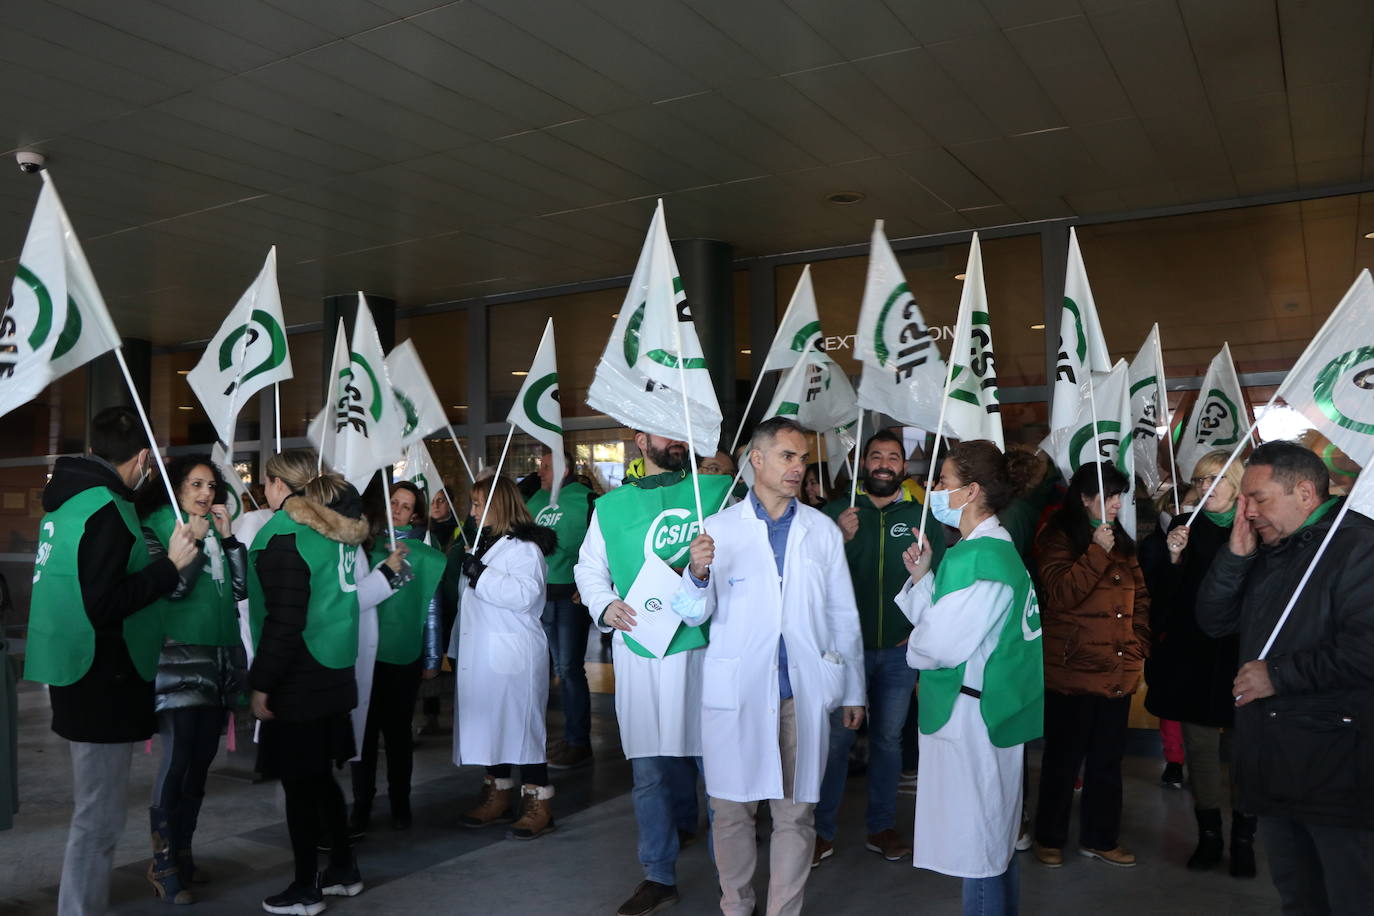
[
  {"x": 493, "y": 805},
  {"x": 536, "y": 814}
]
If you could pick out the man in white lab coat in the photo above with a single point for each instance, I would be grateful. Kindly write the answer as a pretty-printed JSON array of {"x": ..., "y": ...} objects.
[
  {"x": 657, "y": 698},
  {"x": 770, "y": 575}
]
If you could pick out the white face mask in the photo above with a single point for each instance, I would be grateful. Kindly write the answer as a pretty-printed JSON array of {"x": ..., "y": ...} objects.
[{"x": 941, "y": 509}]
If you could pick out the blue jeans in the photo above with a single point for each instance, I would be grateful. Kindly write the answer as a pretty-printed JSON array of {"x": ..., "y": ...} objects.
[
  {"x": 566, "y": 625},
  {"x": 665, "y": 798},
  {"x": 890, "y": 683},
  {"x": 997, "y": 896}
]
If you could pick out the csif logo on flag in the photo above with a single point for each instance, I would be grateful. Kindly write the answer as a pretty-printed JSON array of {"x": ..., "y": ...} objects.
[
  {"x": 542, "y": 401},
  {"x": 662, "y": 357},
  {"x": 1108, "y": 441},
  {"x": 263, "y": 350},
  {"x": 410, "y": 415},
  {"x": 670, "y": 534},
  {"x": 38, "y": 312},
  {"x": 1342, "y": 390},
  {"x": 1147, "y": 411},
  {"x": 355, "y": 405},
  {"x": 913, "y": 338},
  {"x": 1218, "y": 420},
  {"x": 232, "y": 504},
  {"x": 1064, "y": 368}
]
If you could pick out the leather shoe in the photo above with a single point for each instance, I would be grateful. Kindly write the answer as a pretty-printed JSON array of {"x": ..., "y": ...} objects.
[
  {"x": 1118, "y": 856},
  {"x": 1049, "y": 856}
]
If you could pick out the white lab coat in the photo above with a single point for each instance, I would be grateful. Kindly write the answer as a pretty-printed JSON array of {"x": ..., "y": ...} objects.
[
  {"x": 968, "y": 802},
  {"x": 502, "y": 655},
  {"x": 657, "y": 700},
  {"x": 373, "y": 589},
  {"x": 813, "y": 610}
]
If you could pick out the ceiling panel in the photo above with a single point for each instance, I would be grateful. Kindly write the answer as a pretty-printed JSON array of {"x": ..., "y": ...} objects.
[
  {"x": 172, "y": 28},
  {"x": 1150, "y": 53},
  {"x": 855, "y": 28},
  {"x": 771, "y": 31},
  {"x": 855, "y": 101},
  {"x": 1325, "y": 42},
  {"x": 791, "y": 114},
  {"x": 1328, "y": 121},
  {"x": 915, "y": 83},
  {"x": 931, "y": 21},
  {"x": 1070, "y": 65},
  {"x": 1236, "y": 45},
  {"x": 683, "y": 36},
  {"x": 947, "y": 179},
  {"x": 993, "y": 76}
]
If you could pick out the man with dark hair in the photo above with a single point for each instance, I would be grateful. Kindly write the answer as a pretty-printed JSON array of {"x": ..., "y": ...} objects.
[
  {"x": 1300, "y": 761},
  {"x": 94, "y": 640},
  {"x": 881, "y": 525},
  {"x": 565, "y": 618},
  {"x": 785, "y": 654},
  {"x": 657, "y": 698}
]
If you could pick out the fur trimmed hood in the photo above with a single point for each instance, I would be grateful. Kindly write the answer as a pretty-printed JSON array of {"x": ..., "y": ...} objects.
[
  {"x": 543, "y": 538},
  {"x": 326, "y": 521}
]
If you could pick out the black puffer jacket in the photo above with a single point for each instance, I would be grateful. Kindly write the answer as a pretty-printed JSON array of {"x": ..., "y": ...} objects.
[
  {"x": 1308, "y": 751},
  {"x": 298, "y": 687},
  {"x": 1188, "y": 672}
]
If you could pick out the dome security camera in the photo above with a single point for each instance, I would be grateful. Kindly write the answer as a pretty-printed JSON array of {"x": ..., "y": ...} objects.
[{"x": 31, "y": 162}]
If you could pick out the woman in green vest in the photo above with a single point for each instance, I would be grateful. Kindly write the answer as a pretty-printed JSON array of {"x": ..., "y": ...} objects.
[
  {"x": 201, "y": 666},
  {"x": 976, "y": 639},
  {"x": 303, "y": 609},
  {"x": 407, "y": 650}
]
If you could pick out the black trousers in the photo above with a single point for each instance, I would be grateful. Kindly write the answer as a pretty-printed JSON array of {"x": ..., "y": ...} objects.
[
  {"x": 388, "y": 714},
  {"x": 1320, "y": 869},
  {"x": 1087, "y": 732},
  {"x": 304, "y": 754},
  {"x": 190, "y": 741}
]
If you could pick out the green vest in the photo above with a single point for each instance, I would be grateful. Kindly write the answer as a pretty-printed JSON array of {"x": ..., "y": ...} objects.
[
  {"x": 401, "y": 618},
  {"x": 61, "y": 643},
  {"x": 207, "y": 616},
  {"x": 568, "y": 521},
  {"x": 1013, "y": 701},
  {"x": 655, "y": 515},
  {"x": 331, "y": 623}
]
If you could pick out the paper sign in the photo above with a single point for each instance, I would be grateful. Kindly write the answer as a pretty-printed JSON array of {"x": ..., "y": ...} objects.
[{"x": 651, "y": 596}]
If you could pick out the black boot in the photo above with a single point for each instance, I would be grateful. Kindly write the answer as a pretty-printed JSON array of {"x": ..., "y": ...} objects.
[
  {"x": 1242, "y": 845},
  {"x": 400, "y": 812},
  {"x": 184, "y": 827},
  {"x": 162, "y": 871},
  {"x": 360, "y": 819},
  {"x": 1208, "y": 852}
]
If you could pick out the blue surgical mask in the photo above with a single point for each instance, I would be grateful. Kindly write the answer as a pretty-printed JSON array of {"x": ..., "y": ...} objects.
[{"x": 941, "y": 509}]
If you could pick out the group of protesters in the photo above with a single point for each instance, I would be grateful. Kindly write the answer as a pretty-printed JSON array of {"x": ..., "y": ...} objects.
[{"x": 1012, "y": 603}]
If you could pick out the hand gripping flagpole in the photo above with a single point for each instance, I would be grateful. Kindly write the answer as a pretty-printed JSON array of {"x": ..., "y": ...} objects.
[
  {"x": 935, "y": 450},
  {"x": 1097, "y": 462},
  {"x": 148, "y": 430},
  {"x": 687, "y": 417},
  {"x": 390, "y": 518}
]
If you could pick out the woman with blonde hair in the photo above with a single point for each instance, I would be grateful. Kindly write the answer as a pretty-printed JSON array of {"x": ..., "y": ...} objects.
[
  {"x": 502, "y": 662},
  {"x": 1189, "y": 673},
  {"x": 303, "y": 603}
]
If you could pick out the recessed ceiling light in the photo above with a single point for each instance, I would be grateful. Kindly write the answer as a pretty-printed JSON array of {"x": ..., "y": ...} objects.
[
  {"x": 519, "y": 373},
  {"x": 460, "y": 407},
  {"x": 845, "y": 197},
  {"x": 184, "y": 407},
  {"x": 183, "y": 372},
  {"x": 960, "y": 276},
  {"x": 1369, "y": 235},
  {"x": 1037, "y": 327},
  {"x": 746, "y": 352},
  {"x": 615, "y": 314}
]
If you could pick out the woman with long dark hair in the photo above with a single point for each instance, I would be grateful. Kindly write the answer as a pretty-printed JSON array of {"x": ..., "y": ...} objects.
[
  {"x": 200, "y": 668},
  {"x": 1096, "y": 637},
  {"x": 503, "y": 662}
]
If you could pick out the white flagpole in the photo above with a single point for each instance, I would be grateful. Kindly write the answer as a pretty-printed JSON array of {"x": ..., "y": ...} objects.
[
  {"x": 687, "y": 415},
  {"x": 148, "y": 430},
  {"x": 739, "y": 472},
  {"x": 854, "y": 469},
  {"x": 1302, "y": 583},
  {"x": 758, "y": 382},
  {"x": 331, "y": 419},
  {"x": 1162, "y": 409},
  {"x": 486, "y": 504},
  {"x": 820, "y": 464},
  {"x": 453, "y": 510},
  {"x": 1242, "y": 443},
  {"x": 390, "y": 519},
  {"x": 472, "y": 478},
  {"x": 276, "y": 397},
  {"x": 1097, "y": 459},
  {"x": 935, "y": 450}
]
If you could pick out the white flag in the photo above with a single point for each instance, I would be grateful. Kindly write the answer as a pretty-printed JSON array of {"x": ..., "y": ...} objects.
[
  {"x": 421, "y": 470},
  {"x": 365, "y": 418},
  {"x": 800, "y": 329},
  {"x": 637, "y": 380},
  {"x": 421, "y": 410},
  {"x": 235, "y": 499},
  {"x": 536, "y": 409},
  {"x": 57, "y": 320},
  {"x": 839, "y": 447},
  {"x": 816, "y": 393},
  {"x": 974, "y": 410},
  {"x": 1147, "y": 395},
  {"x": 1073, "y": 445},
  {"x": 247, "y": 353},
  {"x": 1219, "y": 418},
  {"x": 1331, "y": 382},
  {"x": 903, "y": 375},
  {"x": 1082, "y": 348}
]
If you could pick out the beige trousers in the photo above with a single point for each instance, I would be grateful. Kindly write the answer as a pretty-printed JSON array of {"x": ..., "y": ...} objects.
[{"x": 790, "y": 849}]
